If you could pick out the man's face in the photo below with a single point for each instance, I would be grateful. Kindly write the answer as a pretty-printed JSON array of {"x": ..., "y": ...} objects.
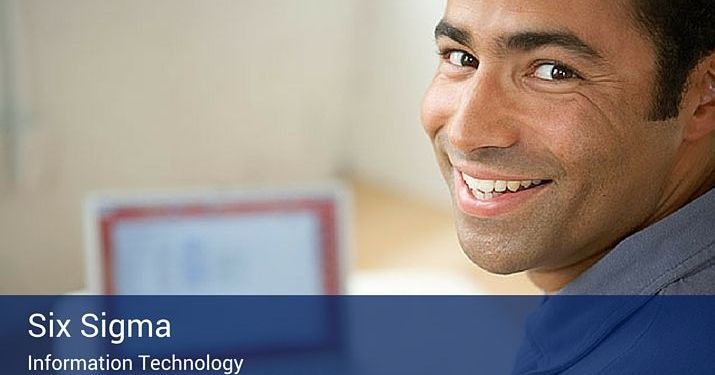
[{"x": 538, "y": 115}]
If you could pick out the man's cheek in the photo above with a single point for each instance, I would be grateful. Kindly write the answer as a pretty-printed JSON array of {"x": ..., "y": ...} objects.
[
  {"x": 431, "y": 114},
  {"x": 581, "y": 137},
  {"x": 439, "y": 104}
]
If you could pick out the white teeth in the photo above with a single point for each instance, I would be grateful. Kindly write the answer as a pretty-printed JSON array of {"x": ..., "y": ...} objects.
[
  {"x": 488, "y": 189},
  {"x": 513, "y": 186},
  {"x": 485, "y": 185},
  {"x": 471, "y": 181}
]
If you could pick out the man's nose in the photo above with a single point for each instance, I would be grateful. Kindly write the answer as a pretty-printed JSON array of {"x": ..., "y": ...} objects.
[{"x": 482, "y": 117}]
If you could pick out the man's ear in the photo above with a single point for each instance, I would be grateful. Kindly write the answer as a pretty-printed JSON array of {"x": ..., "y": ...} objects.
[{"x": 703, "y": 119}]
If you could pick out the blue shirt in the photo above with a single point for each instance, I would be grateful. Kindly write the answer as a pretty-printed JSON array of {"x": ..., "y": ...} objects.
[{"x": 622, "y": 316}]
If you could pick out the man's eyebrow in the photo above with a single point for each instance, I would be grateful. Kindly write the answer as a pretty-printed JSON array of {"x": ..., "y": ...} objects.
[
  {"x": 523, "y": 41},
  {"x": 531, "y": 40},
  {"x": 445, "y": 29}
]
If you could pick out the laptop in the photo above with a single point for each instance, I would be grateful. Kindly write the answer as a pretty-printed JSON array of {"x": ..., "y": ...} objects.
[{"x": 289, "y": 241}]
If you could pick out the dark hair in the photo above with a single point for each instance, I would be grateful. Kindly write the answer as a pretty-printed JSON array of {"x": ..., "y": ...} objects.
[{"x": 683, "y": 32}]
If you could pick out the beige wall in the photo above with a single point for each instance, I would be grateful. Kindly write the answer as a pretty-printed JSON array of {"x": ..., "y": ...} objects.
[
  {"x": 133, "y": 94},
  {"x": 398, "y": 59},
  {"x": 165, "y": 93}
]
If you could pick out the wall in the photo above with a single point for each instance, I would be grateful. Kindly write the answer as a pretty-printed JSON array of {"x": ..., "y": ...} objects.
[
  {"x": 135, "y": 94},
  {"x": 397, "y": 59}
]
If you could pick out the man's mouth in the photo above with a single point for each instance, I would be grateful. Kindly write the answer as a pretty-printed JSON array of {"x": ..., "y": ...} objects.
[{"x": 489, "y": 189}]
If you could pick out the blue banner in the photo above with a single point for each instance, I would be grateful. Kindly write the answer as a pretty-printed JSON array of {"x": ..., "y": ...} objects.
[{"x": 354, "y": 334}]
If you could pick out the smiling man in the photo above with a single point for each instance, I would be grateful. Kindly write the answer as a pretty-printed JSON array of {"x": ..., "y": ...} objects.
[{"x": 577, "y": 138}]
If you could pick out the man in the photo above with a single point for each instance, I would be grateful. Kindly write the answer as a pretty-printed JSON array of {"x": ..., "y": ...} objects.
[
  {"x": 567, "y": 130},
  {"x": 577, "y": 138}
]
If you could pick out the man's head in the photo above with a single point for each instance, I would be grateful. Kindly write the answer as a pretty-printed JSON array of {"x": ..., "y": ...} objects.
[{"x": 563, "y": 127}]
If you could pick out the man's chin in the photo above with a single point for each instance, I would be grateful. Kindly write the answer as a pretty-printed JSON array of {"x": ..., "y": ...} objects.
[
  {"x": 497, "y": 259},
  {"x": 498, "y": 267}
]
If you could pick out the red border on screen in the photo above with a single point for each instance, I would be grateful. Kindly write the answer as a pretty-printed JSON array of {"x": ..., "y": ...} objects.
[{"x": 323, "y": 208}]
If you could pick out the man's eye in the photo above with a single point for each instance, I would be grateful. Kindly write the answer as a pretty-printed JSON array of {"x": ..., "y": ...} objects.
[
  {"x": 554, "y": 72},
  {"x": 463, "y": 59}
]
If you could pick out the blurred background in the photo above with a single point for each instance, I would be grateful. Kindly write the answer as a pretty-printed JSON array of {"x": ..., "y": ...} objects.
[{"x": 127, "y": 95}]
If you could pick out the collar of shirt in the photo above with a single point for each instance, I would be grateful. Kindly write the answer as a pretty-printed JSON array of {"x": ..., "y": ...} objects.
[{"x": 647, "y": 261}]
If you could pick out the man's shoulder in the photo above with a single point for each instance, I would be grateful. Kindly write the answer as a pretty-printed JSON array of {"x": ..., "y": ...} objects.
[
  {"x": 620, "y": 335},
  {"x": 698, "y": 282},
  {"x": 673, "y": 256},
  {"x": 669, "y": 335}
]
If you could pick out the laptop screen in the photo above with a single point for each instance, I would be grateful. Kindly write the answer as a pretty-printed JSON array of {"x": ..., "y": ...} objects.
[{"x": 240, "y": 242}]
